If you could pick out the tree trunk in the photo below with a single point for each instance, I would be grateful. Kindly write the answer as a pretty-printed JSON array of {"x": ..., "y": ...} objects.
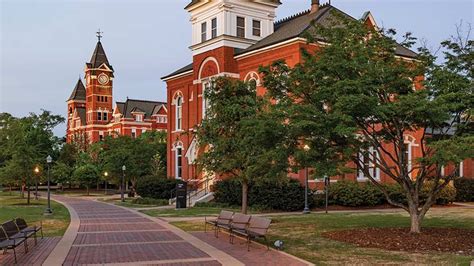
[
  {"x": 87, "y": 188},
  {"x": 245, "y": 192},
  {"x": 415, "y": 223},
  {"x": 28, "y": 198},
  {"x": 10, "y": 190}
]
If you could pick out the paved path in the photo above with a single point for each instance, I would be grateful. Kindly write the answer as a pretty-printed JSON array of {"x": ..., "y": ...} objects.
[{"x": 101, "y": 233}]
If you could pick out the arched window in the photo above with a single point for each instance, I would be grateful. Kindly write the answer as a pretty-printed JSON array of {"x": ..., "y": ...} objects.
[
  {"x": 179, "y": 113},
  {"x": 205, "y": 102}
]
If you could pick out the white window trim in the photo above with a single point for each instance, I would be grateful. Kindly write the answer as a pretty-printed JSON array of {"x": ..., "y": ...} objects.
[
  {"x": 179, "y": 114},
  {"x": 178, "y": 145},
  {"x": 205, "y": 105},
  {"x": 360, "y": 175},
  {"x": 461, "y": 169}
]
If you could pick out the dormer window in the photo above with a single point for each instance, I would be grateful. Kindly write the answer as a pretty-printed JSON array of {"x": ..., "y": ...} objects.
[
  {"x": 241, "y": 27},
  {"x": 256, "y": 28},
  {"x": 214, "y": 28},
  {"x": 204, "y": 32}
]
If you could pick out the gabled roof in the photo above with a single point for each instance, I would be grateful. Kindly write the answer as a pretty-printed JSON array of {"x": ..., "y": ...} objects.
[
  {"x": 79, "y": 92},
  {"x": 99, "y": 57},
  {"x": 179, "y": 71},
  {"x": 297, "y": 25},
  {"x": 130, "y": 106}
]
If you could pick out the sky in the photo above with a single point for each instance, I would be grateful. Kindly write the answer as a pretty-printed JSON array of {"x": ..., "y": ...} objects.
[{"x": 45, "y": 44}]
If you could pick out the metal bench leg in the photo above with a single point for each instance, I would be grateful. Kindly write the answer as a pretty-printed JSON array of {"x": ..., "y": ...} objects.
[
  {"x": 42, "y": 232},
  {"x": 266, "y": 242},
  {"x": 14, "y": 255},
  {"x": 248, "y": 243},
  {"x": 26, "y": 245}
]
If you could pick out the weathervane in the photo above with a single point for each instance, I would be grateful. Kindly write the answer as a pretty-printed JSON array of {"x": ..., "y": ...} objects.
[{"x": 99, "y": 34}]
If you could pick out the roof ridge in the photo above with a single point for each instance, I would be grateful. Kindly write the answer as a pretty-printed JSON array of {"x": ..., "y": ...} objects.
[
  {"x": 136, "y": 100},
  {"x": 286, "y": 19}
]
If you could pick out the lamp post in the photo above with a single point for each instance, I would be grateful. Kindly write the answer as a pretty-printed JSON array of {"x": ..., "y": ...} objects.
[
  {"x": 37, "y": 170},
  {"x": 106, "y": 175},
  {"x": 48, "y": 210},
  {"x": 306, "y": 207},
  {"x": 123, "y": 183}
]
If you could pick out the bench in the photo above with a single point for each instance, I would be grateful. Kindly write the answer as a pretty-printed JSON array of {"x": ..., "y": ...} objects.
[
  {"x": 249, "y": 227},
  {"x": 257, "y": 227},
  {"x": 24, "y": 228},
  {"x": 224, "y": 219},
  {"x": 7, "y": 242}
]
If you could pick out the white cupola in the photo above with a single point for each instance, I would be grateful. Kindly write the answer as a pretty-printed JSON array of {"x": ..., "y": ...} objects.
[{"x": 232, "y": 23}]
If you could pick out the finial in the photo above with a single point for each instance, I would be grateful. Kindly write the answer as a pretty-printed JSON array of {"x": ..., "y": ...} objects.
[{"x": 99, "y": 34}]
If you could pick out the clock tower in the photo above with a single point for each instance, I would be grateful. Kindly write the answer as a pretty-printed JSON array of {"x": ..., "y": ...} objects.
[{"x": 99, "y": 76}]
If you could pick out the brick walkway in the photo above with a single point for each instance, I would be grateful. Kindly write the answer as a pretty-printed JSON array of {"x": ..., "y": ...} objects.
[
  {"x": 101, "y": 233},
  {"x": 36, "y": 254}
]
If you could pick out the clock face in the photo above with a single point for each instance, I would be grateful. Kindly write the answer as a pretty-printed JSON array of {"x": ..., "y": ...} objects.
[{"x": 103, "y": 79}]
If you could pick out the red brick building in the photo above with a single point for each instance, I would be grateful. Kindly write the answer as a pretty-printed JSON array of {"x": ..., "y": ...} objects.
[
  {"x": 91, "y": 115},
  {"x": 233, "y": 38}
]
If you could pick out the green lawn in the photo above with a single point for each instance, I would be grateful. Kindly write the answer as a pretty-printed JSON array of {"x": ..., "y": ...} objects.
[
  {"x": 302, "y": 236},
  {"x": 12, "y": 206}
]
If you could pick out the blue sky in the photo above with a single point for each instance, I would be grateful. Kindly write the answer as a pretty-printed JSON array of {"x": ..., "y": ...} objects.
[{"x": 45, "y": 43}]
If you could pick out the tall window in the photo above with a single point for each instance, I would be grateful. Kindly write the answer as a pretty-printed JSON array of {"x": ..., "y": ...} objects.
[
  {"x": 214, "y": 27},
  {"x": 139, "y": 118},
  {"x": 241, "y": 27},
  {"x": 368, "y": 160},
  {"x": 407, "y": 157},
  {"x": 99, "y": 116},
  {"x": 460, "y": 170},
  {"x": 134, "y": 133},
  {"x": 204, "y": 32},
  {"x": 205, "y": 102},
  {"x": 179, "y": 113},
  {"x": 256, "y": 28},
  {"x": 105, "y": 116},
  {"x": 179, "y": 163}
]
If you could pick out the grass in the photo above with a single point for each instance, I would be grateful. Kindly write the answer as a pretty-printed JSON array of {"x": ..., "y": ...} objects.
[
  {"x": 12, "y": 206},
  {"x": 302, "y": 236}
]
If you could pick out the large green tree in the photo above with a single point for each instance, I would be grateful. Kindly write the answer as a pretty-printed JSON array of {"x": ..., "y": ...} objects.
[
  {"x": 25, "y": 143},
  {"x": 239, "y": 136},
  {"x": 354, "y": 100}
]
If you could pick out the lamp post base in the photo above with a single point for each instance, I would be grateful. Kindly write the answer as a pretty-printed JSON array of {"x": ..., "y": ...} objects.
[
  {"x": 306, "y": 211},
  {"x": 48, "y": 211}
]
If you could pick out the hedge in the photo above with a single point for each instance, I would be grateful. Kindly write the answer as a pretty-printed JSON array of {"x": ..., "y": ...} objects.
[
  {"x": 464, "y": 189},
  {"x": 354, "y": 194},
  {"x": 286, "y": 195},
  {"x": 155, "y": 187}
]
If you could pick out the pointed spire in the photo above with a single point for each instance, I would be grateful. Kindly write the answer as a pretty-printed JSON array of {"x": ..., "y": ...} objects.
[
  {"x": 99, "y": 57},
  {"x": 79, "y": 92}
]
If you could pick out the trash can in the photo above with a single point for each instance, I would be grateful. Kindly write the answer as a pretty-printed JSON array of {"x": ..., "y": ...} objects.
[{"x": 181, "y": 195}]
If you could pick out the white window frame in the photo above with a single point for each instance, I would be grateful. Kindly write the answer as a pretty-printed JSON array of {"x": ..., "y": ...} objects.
[
  {"x": 179, "y": 113},
  {"x": 213, "y": 29},
  {"x": 237, "y": 27},
  {"x": 372, "y": 166},
  {"x": 205, "y": 104},
  {"x": 134, "y": 133},
  {"x": 139, "y": 118},
  {"x": 461, "y": 169},
  {"x": 259, "y": 28},
  {"x": 178, "y": 156},
  {"x": 204, "y": 31}
]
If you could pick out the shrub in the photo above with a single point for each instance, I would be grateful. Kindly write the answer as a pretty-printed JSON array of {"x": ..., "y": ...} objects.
[
  {"x": 211, "y": 204},
  {"x": 155, "y": 187},
  {"x": 464, "y": 189},
  {"x": 286, "y": 195},
  {"x": 150, "y": 201}
]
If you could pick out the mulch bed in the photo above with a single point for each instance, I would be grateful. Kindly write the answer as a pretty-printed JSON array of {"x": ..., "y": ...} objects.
[{"x": 452, "y": 240}]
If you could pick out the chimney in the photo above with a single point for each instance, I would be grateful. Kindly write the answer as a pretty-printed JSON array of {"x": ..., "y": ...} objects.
[{"x": 314, "y": 6}]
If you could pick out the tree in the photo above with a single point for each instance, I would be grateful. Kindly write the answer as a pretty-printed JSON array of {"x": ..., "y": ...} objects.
[
  {"x": 25, "y": 143},
  {"x": 139, "y": 155},
  {"x": 239, "y": 136},
  {"x": 355, "y": 101},
  {"x": 62, "y": 173},
  {"x": 86, "y": 175}
]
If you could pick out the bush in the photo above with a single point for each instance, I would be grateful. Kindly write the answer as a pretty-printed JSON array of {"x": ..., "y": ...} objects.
[
  {"x": 285, "y": 196},
  {"x": 150, "y": 201},
  {"x": 464, "y": 189},
  {"x": 155, "y": 187},
  {"x": 354, "y": 194}
]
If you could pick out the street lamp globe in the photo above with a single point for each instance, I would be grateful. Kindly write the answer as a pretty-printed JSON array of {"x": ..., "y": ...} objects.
[
  {"x": 106, "y": 174},
  {"x": 49, "y": 159},
  {"x": 124, "y": 168},
  {"x": 37, "y": 169},
  {"x": 306, "y": 147}
]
